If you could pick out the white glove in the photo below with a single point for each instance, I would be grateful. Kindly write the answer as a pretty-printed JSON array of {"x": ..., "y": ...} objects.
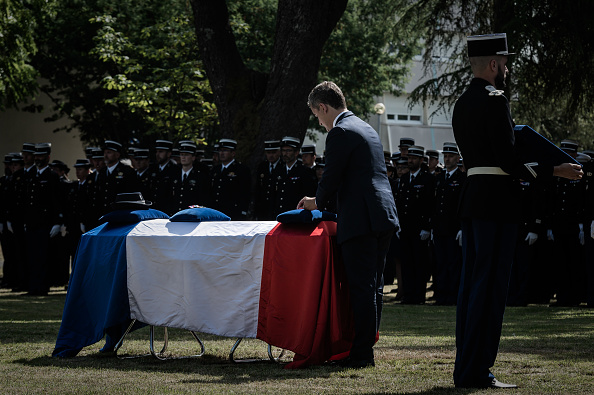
[
  {"x": 592, "y": 230},
  {"x": 582, "y": 236},
  {"x": 9, "y": 226},
  {"x": 55, "y": 230},
  {"x": 431, "y": 234},
  {"x": 425, "y": 235},
  {"x": 459, "y": 238},
  {"x": 398, "y": 232},
  {"x": 531, "y": 238},
  {"x": 1, "y": 228},
  {"x": 63, "y": 230},
  {"x": 550, "y": 235},
  {"x": 83, "y": 229}
]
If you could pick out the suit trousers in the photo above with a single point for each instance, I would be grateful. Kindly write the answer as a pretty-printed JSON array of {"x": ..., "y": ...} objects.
[
  {"x": 38, "y": 240},
  {"x": 364, "y": 258},
  {"x": 487, "y": 254}
]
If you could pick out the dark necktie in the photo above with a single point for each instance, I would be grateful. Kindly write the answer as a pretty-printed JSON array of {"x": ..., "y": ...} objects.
[{"x": 184, "y": 177}]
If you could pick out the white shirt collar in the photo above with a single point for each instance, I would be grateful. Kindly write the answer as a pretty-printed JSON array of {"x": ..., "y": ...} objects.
[
  {"x": 110, "y": 169},
  {"x": 39, "y": 171},
  {"x": 416, "y": 173},
  {"x": 187, "y": 172},
  {"x": 228, "y": 164},
  {"x": 338, "y": 116}
]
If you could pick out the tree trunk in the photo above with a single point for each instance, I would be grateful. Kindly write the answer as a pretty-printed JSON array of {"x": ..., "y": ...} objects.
[{"x": 254, "y": 107}]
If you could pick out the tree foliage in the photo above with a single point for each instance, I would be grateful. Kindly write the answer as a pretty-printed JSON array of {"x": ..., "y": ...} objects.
[
  {"x": 550, "y": 86},
  {"x": 160, "y": 78},
  {"x": 17, "y": 47}
]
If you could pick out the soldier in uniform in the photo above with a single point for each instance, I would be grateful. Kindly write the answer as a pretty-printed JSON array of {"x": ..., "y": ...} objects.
[
  {"x": 80, "y": 202},
  {"x": 115, "y": 178},
  {"x": 415, "y": 202},
  {"x": 143, "y": 173},
  {"x": 405, "y": 142},
  {"x": 483, "y": 128},
  {"x": 231, "y": 183},
  {"x": 6, "y": 237},
  {"x": 308, "y": 155},
  {"x": 191, "y": 186},
  {"x": 59, "y": 248},
  {"x": 566, "y": 230},
  {"x": 162, "y": 175},
  {"x": 589, "y": 224},
  {"x": 295, "y": 180},
  {"x": 526, "y": 268},
  {"x": 433, "y": 162},
  {"x": 43, "y": 219},
  {"x": 446, "y": 230},
  {"x": 268, "y": 172},
  {"x": 16, "y": 213}
]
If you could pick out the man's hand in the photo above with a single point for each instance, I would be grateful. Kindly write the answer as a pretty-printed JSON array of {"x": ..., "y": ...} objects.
[
  {"x": 307, "y": 203},
  {"x": 570, "y": 171}
]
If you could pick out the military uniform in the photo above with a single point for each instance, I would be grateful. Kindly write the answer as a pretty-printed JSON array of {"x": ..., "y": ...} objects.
[
  {"x": 445, "y": 227},
  {"x": 193, "y": 189},
  {"x": 120, "y": 180},
  {"x": 268, "y": 173},
  {"x": 292, "y": 185},
  {"x": 161, "y": 184},
  {"x": 526, "y": 268},
  {"x": 415, "y": 202},
  {"x": 230, "y": 193},
  {"x": 43, "y": 211}
]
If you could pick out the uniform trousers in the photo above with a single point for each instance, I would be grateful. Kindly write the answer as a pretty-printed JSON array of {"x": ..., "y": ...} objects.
[
  {"x": 38, "y": 240},
  {"x": 446, "y": 278},
  {"x": 487, "y": 254},
  {"x": 415, "y": 266},
  {"x": 364, "y": 258},
  {"x": 571, "y": 273}
]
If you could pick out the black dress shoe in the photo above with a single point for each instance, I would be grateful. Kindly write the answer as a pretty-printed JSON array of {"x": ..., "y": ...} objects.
[{"x": 498, "y": 384}]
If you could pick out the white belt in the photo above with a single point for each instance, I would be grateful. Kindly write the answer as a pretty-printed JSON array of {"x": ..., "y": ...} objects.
[{"x": 497, "y": 171}]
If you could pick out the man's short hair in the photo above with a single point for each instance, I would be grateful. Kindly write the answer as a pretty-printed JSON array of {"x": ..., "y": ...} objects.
[{"x": 328, "y": 93}]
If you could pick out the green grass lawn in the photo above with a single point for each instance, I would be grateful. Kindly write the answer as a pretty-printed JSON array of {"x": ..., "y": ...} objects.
[{"x": 544, "y": 350}]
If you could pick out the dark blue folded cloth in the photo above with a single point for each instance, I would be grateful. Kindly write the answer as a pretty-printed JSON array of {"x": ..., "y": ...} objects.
[
  {"x": 305, "y": 216},
  {"x": 199, "y": 214}
]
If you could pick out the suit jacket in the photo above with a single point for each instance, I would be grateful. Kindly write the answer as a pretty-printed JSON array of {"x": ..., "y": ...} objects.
[
  {"x": 484, "y": 131},
  {"x": 356, "y": 172}
]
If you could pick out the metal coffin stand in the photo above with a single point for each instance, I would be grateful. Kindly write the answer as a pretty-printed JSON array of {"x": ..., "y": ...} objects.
[{"x": 161, "y": 354}]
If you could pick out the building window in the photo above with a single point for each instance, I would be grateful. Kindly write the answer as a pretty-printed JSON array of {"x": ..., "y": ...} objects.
[
  {"x": 402, "y": 117},
  {"x": 391, "y": 117},
  {"x": 416, "y": 118}
]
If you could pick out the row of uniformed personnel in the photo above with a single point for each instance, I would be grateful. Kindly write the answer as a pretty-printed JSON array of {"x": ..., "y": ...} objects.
[{"x": 555, "y": 247}]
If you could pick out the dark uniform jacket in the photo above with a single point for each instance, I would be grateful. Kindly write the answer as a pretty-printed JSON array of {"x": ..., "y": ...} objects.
[
  {"x": 266, "y": 190},
  {"x": 364, "y": 198},
  {"x": 293, "y": 185},
  {"x": 416, "y": 201},
  {"x": 194, "y": 190},
  {"x": 121, "y": 180},
  {"x": 43, "y": 201},
  {"x": 17, "y": 202},
  {"x": 161, "y": 184},
  {"x": 483, "y": 129},
  {"x": 231, "y": 190},
  {"x": 445, "y": 220}
]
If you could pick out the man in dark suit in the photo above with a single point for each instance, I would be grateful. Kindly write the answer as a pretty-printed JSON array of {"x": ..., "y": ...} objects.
[
  {"x": 484, "y": 131},
  {"x": 268, "y": 172},
  {"x": 366, "y": 211}
]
